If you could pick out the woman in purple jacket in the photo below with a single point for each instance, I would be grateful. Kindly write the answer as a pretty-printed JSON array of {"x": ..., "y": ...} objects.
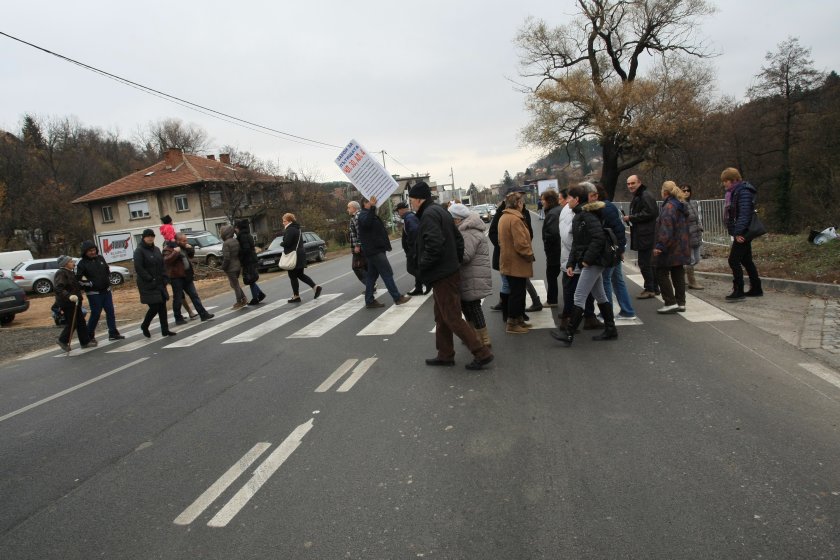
[{"x": 672, "y": 249}]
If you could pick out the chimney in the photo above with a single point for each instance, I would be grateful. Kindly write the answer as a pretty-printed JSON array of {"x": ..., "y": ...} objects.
[
  {"x": 224, "y": 158},
  {"x": 211, "y": 156},
  {"x": 173, "y": 157}
]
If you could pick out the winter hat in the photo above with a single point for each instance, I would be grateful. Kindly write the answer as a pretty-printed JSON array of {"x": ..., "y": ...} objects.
[
  {"x": 421, "y": 191},
  {"x": 166, "y": 219},
  {"x": 402, "y": 205},
  {"x": 241, "y": 224},
  {"x": 459, "y": 211},
  {"x": 63, "y": 260},
  {"x": 148, "y": 233}
]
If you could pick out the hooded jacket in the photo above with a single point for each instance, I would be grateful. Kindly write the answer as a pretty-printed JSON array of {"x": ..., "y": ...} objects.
[
  {"x": 672, "y": 234},
  {"x": 588, "y": 235},
  {"x": 94, "y": 270},
  {"x": 247, "y": 250},
  {"x": 476, "y": 274},
  {"x": 230, "y": 251}
]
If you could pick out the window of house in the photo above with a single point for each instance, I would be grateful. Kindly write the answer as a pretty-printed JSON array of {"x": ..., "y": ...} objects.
[
  {"x": 257, "y": 198},
  {"x": 138, "y": 209},
  {"x": 181, "y": 203},
  {"x": 215, "y": 199},
  {"x": 107, "y": 214}
]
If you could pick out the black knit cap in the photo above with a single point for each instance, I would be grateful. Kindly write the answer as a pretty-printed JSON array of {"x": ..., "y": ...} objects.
[
  {"x": 402, "y": 205},
  {"x": 421, "y": 191}
]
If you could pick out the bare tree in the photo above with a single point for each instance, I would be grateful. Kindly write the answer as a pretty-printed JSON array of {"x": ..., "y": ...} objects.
[
  {"x": 786, "y": 81},
  {"x": 171, "y": 133},
  {"x": 590, "y": 81}
]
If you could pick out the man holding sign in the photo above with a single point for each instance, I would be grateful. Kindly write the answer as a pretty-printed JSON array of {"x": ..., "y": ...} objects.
[{"x": 375, "y": 244}]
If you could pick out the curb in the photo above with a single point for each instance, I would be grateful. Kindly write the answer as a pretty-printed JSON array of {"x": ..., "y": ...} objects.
[{"x": 787, "y": 286}]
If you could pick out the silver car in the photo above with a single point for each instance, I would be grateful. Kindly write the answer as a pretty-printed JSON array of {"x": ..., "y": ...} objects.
[
  {"x": 208, "y": 247},
  {"x": 38, "y": 275}
]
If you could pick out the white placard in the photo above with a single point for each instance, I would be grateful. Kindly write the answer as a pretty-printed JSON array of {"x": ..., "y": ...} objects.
[
  {"x": 365, "y": 173},
  {"x": 547, "y": 184},
  {"x": 116, "y": 247}
]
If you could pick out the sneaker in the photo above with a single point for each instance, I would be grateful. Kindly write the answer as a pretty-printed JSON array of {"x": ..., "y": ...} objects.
[
  {"x": 402, "y": 300},
  {"x": 238, "y": 305},
  {"x": 194, "y": 316},
  {"x": 645, "y": 295},
  {"x": 534, "y": 307},
  {"x": 415, "y": 292},
  {"x": 92, "y": 342},
  {"x": 621, "y": 317},
  {"x": 668, "y": 309},
  {"x": 680, "y": 308},
  {"x": 117, "y": 336},
  {"x": 207, "y": 317},
  {"x": 374, "y": 305},
  {"x": 181, "y": 321}
]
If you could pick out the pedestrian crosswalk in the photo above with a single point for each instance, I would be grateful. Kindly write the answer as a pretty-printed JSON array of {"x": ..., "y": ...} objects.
[{"x": 330, "y": 311}]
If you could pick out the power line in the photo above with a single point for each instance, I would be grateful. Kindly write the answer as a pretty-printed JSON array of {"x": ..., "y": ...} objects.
[
  {"x": 398, "y": 162},
  {"x": 182, "y": 102}
]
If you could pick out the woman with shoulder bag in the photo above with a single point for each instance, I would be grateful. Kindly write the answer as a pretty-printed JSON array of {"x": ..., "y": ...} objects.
[{"x": 292, "y": 241}]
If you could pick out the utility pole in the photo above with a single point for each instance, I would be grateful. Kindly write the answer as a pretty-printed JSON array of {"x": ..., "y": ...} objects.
[{"x": 390, "y": 204}]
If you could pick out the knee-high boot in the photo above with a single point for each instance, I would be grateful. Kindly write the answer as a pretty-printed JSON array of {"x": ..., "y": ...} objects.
[
  {"x": 568, "y": 335},
  {"x": 610, "y": 332}
]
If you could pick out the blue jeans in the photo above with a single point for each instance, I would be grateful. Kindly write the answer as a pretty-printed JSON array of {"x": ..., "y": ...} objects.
[
  {"x": 98, "y": 302},
  {"x": 505, "y": 289},
  {"x": 181, "y": 286},
  {"x": 378, "y": 265},
  {"x": 255, "y": 291},
  {"x": 615, "y": 276}
]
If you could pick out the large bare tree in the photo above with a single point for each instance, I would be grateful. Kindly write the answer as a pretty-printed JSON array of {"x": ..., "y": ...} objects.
[{"x": 626, "y": 72}]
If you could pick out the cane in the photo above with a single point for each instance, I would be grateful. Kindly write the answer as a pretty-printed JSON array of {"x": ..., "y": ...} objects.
[{"x": 76, "y": 306}]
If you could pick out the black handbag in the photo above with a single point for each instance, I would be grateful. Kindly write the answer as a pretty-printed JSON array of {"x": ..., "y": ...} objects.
[{"x": 755, "y": 229}]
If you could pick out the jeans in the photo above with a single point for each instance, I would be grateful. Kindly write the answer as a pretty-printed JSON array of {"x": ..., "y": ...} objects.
[
  {"x": 256, "y": 292},
  {"x": 505, "y": 289},
  {"x": 378, "y": 265},
  {"x": 98, "y": 302},
  {"x": 615, "y": 275},
  {"x": 181, "y": 286},
  {"x": 590, "y": 283}
]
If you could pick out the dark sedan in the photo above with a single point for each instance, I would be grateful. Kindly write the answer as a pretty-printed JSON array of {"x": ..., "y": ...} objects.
[
  {"x": 12, "y": 300},
  {"x": 315, "y": 247}
]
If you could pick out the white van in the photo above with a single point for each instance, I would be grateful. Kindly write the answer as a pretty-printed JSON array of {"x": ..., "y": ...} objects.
[{"x": 10, "y": 259}]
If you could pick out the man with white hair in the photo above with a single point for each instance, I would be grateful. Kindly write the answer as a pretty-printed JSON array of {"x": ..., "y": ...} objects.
[{"x": 359, "y": 265}]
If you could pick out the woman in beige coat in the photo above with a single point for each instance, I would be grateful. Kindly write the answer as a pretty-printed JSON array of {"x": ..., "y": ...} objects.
[{"x": 516, "y": 259}]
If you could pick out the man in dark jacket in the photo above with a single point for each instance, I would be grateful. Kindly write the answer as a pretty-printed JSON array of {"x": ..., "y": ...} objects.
[
  {"x": 181, "y": 275},
  {"x": 613, "y": 276},
  {"x": 439, "y": 251},
  {"x": 739, "y": 206},
  {"x": 642, "y": 220},
  {"x": 411, "y": 225},
  {"x": 375, "y": 243},
  {"x": 97, "y": 284},
  {"x": 68, "y": 296},
  {"x": 551, "y": 243}
]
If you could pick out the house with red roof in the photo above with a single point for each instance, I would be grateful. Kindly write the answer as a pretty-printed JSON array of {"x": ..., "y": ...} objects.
[{"x": 197, "y": 192}]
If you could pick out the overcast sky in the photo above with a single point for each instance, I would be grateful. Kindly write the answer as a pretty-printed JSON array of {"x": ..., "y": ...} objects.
[{"x": 429, "y": 82}]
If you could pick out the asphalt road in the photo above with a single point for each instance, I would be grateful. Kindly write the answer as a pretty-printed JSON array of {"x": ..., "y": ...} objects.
[{"x": 689, "y": 437}]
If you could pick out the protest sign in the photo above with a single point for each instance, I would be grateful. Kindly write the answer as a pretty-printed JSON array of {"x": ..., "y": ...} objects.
[{"x": 365, "y": 173}]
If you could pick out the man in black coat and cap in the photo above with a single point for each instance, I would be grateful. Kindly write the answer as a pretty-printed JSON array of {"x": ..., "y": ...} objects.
[{"x": 438, "y": 255}]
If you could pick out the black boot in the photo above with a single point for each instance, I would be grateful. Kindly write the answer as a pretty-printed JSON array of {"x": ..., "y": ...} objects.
[
  {"x": 737, "y": 292},
  {"x": 504, "y": 304},
  {"x": 567, "y": 335},
  {"x": 755, "y": 288},
  {"x": 610, "y": 332}
]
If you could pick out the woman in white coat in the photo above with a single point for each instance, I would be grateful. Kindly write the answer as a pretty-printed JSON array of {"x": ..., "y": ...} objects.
[{"x": 476, "y": 274}]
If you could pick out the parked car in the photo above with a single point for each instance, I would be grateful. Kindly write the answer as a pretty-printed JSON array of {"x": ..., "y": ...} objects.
[
  {"x": 208, "y": 247},
  {"x": 315, "y": 247},
  {"x": 38, "y": 275},
  {"x": 12, "y": 300}
]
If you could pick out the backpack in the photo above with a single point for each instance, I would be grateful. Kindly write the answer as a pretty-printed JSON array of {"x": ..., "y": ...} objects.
[{"x": 610, "y": 256}]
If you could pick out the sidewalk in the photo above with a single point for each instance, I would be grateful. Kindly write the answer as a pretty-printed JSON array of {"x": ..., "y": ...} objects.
[{"x": 804, "y": 314}]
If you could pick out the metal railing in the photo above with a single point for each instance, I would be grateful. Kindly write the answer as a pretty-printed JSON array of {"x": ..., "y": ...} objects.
[{"x": 711, "y": 218}]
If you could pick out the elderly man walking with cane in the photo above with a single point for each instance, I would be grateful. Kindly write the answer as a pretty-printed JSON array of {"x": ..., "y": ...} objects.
[{"x": 68, "y": 296}]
